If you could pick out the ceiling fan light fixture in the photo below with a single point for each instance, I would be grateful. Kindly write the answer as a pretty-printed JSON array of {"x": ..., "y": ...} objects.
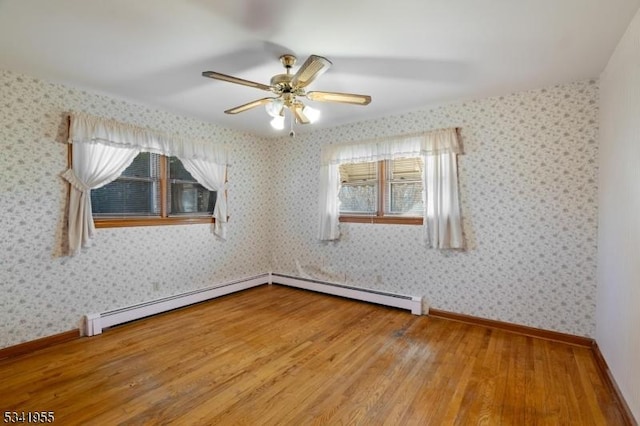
[
  {"x": 277, "y": 122},
  {"x": 274, "y": 108},
  {"x": 312, "y": 114}
]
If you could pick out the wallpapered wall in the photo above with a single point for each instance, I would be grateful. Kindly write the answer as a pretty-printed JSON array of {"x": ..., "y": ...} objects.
[
  {"x": 43, "y": 292},
  {"x": 529, "y": 202},
  {"x": 528, "y": 197}
]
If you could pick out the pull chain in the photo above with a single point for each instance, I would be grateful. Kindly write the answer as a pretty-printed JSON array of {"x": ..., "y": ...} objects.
[{"x": 291, "y": 120}]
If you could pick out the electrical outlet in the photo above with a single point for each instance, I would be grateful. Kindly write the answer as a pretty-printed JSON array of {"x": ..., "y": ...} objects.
[{"x": 156, "y": 286}]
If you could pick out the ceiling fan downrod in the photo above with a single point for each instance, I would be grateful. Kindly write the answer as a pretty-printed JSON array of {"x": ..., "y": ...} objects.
[{"x": 288, "y": 61}]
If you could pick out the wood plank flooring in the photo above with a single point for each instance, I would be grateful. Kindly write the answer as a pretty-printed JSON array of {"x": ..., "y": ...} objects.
[{"x": 280, "y": 356}]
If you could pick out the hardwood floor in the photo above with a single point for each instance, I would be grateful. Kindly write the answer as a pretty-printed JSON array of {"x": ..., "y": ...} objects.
[{"x": 277, "y": 355}]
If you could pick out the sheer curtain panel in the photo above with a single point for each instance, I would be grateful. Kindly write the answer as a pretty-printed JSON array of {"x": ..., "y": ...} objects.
[
  {"x": 329, "y": 203},
  {"x": 212, "y": 176},
  {"x": 442, "y": 224},
  {"x": 104, "y": 148}
]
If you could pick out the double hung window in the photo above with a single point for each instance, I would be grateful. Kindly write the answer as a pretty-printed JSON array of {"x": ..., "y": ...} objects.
[
  {"x": 154, "y": 190},
  {"x": 408, "y": 179},
  {"x": 385, "y": 191}
]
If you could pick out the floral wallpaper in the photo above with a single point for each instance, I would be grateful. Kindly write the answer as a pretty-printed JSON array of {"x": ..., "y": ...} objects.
[
  {"x": 529, "y": 202},
  {"x": 528, "y": 191},
  {"x": 43, "y": 292}
]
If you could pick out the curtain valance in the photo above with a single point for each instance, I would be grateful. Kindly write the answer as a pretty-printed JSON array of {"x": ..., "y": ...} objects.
[
  {"x": 85, "y": 128},
  {"x": 427, "y": 143}
]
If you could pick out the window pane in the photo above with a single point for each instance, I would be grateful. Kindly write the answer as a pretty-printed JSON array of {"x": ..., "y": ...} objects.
[
  {"x": 177, "y": 170},
  {"x": 358, "y": 199},
  {"x": 135, "y": 193},
  {"x": 358, "y": 172},
  {"x": 126, "y": 198},
  {"x": 186, "y": 195},
  {"x": 406, "y": 169},
  {"x": 145, "y": 165},
  {"x": 191, "y": 198},
  {"x": 359, "y": 190},
  {"x": 405, "y": 187},
  {"x": 406, "y": 198}
]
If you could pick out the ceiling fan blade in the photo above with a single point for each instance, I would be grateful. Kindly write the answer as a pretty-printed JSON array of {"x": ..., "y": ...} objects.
[
  {"x": 249, "y": 105},
  {"x": 312, "y": 68},
  {"x": 346, "y": 98},
  {"x": 236, "y": 80},
  {"x": 300, "y": 117}
]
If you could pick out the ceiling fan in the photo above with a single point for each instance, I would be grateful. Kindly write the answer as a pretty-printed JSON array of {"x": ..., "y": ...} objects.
[{"x": 288, "y": 88}]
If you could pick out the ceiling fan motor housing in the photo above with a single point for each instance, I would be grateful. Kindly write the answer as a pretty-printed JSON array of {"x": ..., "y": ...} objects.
[{"x": 282, "y": 82}]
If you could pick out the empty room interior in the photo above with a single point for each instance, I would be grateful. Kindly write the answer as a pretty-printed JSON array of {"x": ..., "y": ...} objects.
[{"x": 281, "y": 212}]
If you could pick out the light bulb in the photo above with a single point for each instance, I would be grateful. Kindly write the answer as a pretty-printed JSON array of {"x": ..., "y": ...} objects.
[
  {"x": 274, "y": 108},
  {"x": 312, "y": 114},
  {"x": 277, "y": 122}
]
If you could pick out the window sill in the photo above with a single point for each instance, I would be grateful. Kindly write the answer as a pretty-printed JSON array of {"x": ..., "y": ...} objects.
[
  {"x": 105, "y": 222},
  {"x": 390, "y": 220}
]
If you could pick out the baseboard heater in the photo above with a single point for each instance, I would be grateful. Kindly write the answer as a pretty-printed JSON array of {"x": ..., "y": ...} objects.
[
  {"x": 412, "y": 303},
  {"x": 95, "y": 323}
]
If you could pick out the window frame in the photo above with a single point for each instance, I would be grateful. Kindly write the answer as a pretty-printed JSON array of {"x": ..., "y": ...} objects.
[
  {"x": 162, "y": 220},
  {"x": 380, "y": 217}
]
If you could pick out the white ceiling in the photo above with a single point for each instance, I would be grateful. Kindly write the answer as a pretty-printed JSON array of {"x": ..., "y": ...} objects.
[{"x": 406, "y": 54}]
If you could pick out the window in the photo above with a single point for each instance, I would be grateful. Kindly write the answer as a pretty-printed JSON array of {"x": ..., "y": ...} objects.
[
  {"x": 153, "y": 190},
  {"x": 387, "y": 191}
]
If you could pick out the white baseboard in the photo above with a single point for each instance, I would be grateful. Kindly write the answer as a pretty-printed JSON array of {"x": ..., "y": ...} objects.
[
  {"x": 95, "y": 323},
  {"x": 411, "y": 303}
]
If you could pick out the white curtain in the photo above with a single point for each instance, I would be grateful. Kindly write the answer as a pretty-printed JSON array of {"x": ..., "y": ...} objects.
[
  {"x": 212, "y": 176},
  {"x": 442, "y": 225},
  {"x": 94, "y": 165},
  {"x": 439, "y": 148},
  {"x": 104, "y": 148},
  {"x": 328, "y": 228}
]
